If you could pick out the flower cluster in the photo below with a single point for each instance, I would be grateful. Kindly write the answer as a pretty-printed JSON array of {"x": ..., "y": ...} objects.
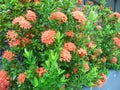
[
  {"x": 21, "y": 78},
  {"x": 8, "y": 55},
  {"x": 48, "y": 37},
  {"x": 4, "y": 80},
  {"x": 58, "y": 16}
]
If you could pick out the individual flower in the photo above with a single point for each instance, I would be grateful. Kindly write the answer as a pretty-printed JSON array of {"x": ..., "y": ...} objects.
[
  {"x": 75, "y": 9},
  {"x": 70, "y": 46},
  {"x": 31, "y": 16},
  {"x": 37, "y": 1},
  {"x": 79, "y": 2},
  {"x": 11, "y": 35},
  {"x": 8, "y": 55},
  {"x": 21, "y": 78},
  {"x": 75, "y": 70},
  {"x": 104, "y": 59},
  {"x": 65, "y": 55},
  {"x": 79, "y": 16},
  {"x": 86, "y": 66},
  {"x": 4, "y": 80},
  {"x": 48, "y": 37},
  {"x": 22, "y": 22},
  {"x": 25, "y": 41},
  {"x": 70, "y": 34},
  {"x": 40, "y": 71},
  {"x": 117, "y": 41},
  {"x": 25, "y": 24},
  {"x": 17, "y": 20},
  {"x": 104, "y": 78},
  {"x": 67, "y": 75},
  {"x": 82, "y": 52},
  {"x": 58, "y": 16},
  {"x": 114, "y": 60},
  {"x": 116, "y": 14},
  {"x": 98, "y": 27},
  {"x": 90, "y": 44},
  {"x": 100, "y": 83},
  {"x": 99, "y": 50},
  {"x": 15, "y": 42},
  {"x": 90, "y": 2}
]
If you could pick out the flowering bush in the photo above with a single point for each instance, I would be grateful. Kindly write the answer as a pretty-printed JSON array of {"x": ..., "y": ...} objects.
[{"x": 56, "y": 45}]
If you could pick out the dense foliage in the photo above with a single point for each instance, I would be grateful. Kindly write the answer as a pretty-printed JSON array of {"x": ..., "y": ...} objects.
[{"x": 56, "y": 45}]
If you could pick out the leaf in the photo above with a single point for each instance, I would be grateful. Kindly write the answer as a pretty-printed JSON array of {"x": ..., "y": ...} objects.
[{"x": 35, "y": 82}]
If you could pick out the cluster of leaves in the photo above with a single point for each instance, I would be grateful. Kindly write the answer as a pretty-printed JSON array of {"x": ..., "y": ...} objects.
[{"x": 37, "y": 54}]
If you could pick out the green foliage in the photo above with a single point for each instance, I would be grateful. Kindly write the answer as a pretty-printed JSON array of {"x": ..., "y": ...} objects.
[{"x": 43, "y": 63}]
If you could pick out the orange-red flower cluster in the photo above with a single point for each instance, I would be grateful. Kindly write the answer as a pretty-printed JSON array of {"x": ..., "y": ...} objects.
[
  {"x": 48, "y": 37},
  {"x": 114, "y": 60},
  {"x": 58, "y": 16},
  {"x": 25, "y": 41},
  {"x": 31, "y": 16},
  {"x": 22, "y": 22},
  {"x": 79, "y": 2},
  {"x": 82, "y": 52},
  {"x": 117, "y": 41},
  {"x": 116, "y": 14},
  {"x": 70, "y": 46},
  {"x": 86, "y": 66},
  {"x": 4, "y": 80},
  {"x": 65, "y": 55},
  {"x": 12, "y": 38},
  {"x": 21, "y": 78},
  {"x": 90, "y": 44},
  {"x": 40, "y": 71},
  {"x": 70, "y": 34},
  {"x": 103, "y": 80},
  {"x": 79, "y": 16},
  {"x": 67, "y": 75},
  {"x": 8, "y": 55}
]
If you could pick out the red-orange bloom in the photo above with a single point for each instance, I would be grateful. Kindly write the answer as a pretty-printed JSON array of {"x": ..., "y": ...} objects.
[
  {"x": 116, "y": 14},
  {"x": 70, "y": 46},
  {"x": 16, "y": 42},
  {"x": 90, "y": 45},
  {"x": 117, "y": 41},
  {"x": 90, "y": 2},
  {"x": 82, "y": 52},
  {"x": 22, "y": 22},
  {"x": 67, "y": 75},
  {"x": 21, "y": 78},
  {"x": 40, "y": 71},
  {"x": 98, "y": 27},
  {"x": 4, "y": 80},
  {"x": 79, "y": 16},
  {"x": 11, "y": 35},
  {"x": 104, "y": 78},
  {"x": 30, "y": 15},
  {"x": 104, "y": 59},
  {"x": 100, "y": 83},
  {"x": 114, "y": 60},
  {"x": 58, "y": 16},
  {"x": 8, "y": 55},
  {"x": 79, "y": 2},
  {"x": 25, "y": 41},
  {"x": 86, "y": 66},
  {"x": 48, "y": 37},
  {"x": 65, "y": 55},
  {"x": 70, "y": 34},
  {"x": 25, "y": 24},
  {"x": 17, "y": 20}
]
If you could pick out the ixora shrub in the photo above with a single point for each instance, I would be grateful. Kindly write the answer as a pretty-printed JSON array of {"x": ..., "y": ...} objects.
[{"x": 56, "y": 45}]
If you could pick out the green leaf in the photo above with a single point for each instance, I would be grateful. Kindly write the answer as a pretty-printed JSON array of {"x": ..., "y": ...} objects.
[{"x": 35, "y": 82}]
